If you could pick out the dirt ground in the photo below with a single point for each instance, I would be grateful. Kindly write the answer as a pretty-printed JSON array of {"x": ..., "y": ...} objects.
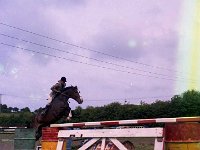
[{"x": 141, "y": 143}]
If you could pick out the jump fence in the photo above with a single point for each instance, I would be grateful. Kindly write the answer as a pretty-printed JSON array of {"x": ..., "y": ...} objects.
[{"x": 177, "y": 134}]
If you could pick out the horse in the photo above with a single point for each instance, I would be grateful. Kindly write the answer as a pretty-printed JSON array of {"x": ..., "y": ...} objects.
[{"x": 54, "y": 111}]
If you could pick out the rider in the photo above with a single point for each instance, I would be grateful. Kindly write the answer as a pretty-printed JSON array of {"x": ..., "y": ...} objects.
[{"x": 57, "y": 88}]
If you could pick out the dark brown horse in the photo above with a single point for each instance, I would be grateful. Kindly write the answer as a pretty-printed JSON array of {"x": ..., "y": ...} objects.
[{"x": 58, "y": 108}]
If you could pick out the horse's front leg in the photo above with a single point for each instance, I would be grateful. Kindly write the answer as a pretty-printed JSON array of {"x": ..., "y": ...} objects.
[{"x": 67, "y": 114}]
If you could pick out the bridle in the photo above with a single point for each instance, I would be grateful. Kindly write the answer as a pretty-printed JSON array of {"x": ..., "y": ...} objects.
[{"x": 66, "y": 95}]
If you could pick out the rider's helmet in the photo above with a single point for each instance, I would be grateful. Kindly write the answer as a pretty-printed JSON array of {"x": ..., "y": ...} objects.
[{"x": 63, "y": 79}]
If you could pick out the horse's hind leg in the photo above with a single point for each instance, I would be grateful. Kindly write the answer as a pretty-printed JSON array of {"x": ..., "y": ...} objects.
[
  {"x": 37, "y": 135},
  {"x": 38, "y": 132},
  {"x": 38, "y": 128}
]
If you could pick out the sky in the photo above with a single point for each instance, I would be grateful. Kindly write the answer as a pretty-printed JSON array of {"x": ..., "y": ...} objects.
[{"x": 114, "y": 51}]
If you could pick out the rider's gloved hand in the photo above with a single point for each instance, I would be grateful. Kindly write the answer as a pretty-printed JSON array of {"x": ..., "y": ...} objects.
[{"x": 57, "y": 91}]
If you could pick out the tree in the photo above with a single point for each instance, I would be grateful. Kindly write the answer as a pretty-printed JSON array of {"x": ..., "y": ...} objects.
[
  {"x": 15, "y": 109},
  {"x": 4, "y": 108},
  {"x": 26, "y": 109},
  {"x": 38, "y": 110},
  {"x": 191, "y": 102},
  {"x": 10, "y": 109}
]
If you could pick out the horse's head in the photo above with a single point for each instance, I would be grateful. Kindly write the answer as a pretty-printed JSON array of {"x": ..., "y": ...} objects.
[{"x": 73, "y": 93}]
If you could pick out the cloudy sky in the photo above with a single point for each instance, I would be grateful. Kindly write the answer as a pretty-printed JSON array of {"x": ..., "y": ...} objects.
[{"x": 112, "y": 50}]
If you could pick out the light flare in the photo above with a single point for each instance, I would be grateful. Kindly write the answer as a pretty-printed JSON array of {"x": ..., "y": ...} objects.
[{"x": 188, "y": 61}]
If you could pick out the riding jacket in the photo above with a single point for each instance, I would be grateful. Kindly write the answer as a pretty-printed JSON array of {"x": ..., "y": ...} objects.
[{"x": 57, "y": 88}]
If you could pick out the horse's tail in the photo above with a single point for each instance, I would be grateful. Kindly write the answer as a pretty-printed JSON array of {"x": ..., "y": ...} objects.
[{"x": 37, "y": 126}]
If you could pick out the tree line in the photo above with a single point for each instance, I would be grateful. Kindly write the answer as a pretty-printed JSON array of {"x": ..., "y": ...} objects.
[
  {"x": 184, "y": 105},
  {"x": 5, "y": 109}
]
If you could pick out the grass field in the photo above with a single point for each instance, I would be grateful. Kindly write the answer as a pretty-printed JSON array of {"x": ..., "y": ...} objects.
[{"x": 15, "y": 114}]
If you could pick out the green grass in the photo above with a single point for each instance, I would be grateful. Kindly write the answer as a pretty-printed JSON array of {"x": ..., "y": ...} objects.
[{"x": 16, "y": 114}]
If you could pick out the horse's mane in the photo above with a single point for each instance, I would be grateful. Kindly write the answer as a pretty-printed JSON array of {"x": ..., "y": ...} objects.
[{"x": 69, "y": 87}]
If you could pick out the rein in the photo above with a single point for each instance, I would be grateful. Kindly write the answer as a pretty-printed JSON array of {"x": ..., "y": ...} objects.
[{"x": 64, "y": 94}]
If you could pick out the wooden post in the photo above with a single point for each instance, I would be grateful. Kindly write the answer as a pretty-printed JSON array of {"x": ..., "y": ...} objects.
[{"x": 0, "y": 102}]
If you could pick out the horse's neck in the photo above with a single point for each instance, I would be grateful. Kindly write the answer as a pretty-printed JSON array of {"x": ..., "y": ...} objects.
[
  {"x": 62, "y": 97},
  {"x": 67, "y": 92}
]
